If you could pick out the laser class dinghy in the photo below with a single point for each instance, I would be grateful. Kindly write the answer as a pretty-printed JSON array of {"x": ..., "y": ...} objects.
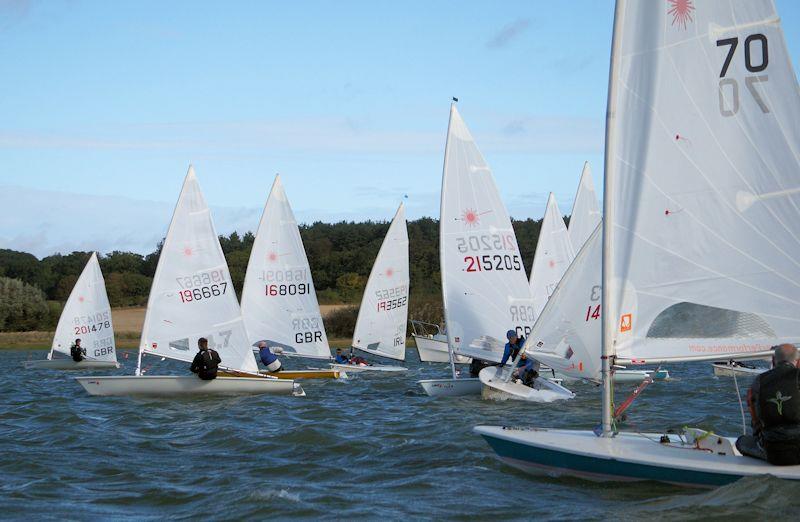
[
  {"x": 86, "y": 316},
  {"x": 484, "y": 287},
  {"x": 381, "y": 324},
  {"x": 700, "y": 236},
  {"x": 279, "y": 302},
  {"x": 192, "y": 297}
]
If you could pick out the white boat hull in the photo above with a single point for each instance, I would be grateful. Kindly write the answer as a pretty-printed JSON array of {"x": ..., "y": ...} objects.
[
  {"x": 627, "y": 456},
  {"x": 69, "y": 364},
  {"x": 174, "y": 385},
  {"x": 726, "y": 370},
  {"x": 354, "y": 368},
  {"x": 495, "y": 387},
  {"x": 451, "y": 387},
  {"x": 432, "y": 349}
]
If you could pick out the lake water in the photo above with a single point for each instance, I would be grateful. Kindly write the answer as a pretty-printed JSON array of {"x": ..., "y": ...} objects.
[{"x": 373, "y": 446}]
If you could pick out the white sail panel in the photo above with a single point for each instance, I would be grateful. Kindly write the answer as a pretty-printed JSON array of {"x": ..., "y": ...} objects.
[
  {"x": 279, "y": 303},
  {"x": 568, "y": 332},
  {"x": 381, "y": 324},
  {"x": 554, "y": 253},
  {"x": 192, "y": 295},
  {"x": 87, "y": 316},
  {"x": 585, "y": 210},
  {"x": 484, "y": 285},
  {"x": 705, "y": 197}
]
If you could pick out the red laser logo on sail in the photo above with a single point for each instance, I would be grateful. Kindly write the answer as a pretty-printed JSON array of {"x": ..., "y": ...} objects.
[
  {"x": 681, "y": 11},
  {"x": 389, "y": 272},
  {"x": 272, "y": 256},
  {"x": 472, "y": 218},
  {"x": 187, "y": 251}
]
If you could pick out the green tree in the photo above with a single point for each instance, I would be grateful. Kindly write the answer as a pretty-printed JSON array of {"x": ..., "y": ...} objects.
[{"x": 22, "y": 306}]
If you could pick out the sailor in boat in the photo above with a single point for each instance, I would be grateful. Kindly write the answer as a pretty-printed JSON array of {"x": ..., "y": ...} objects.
[
  {"x": 513, "y": 346},
  {"x": 206, "y": 362},
  {"x": 269, "y": 359},
  {"x": 527, "y": 370},
  {"x": 341, "y": 358},
  {"x": 774, "y": 401},
  {"x": 77, "y": 352}
]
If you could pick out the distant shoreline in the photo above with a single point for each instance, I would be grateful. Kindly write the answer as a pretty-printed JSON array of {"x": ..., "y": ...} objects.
[{"x": 42, "y": 341}]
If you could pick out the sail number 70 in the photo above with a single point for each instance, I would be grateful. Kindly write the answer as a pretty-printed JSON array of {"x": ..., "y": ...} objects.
[{"x": 729, "y": 105}]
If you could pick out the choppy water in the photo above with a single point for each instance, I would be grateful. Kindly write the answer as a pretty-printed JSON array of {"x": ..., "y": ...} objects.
[{"x": 374, "y": 446}]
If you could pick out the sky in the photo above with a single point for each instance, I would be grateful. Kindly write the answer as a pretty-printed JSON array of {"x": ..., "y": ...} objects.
[{"x": 103, "y": 106}]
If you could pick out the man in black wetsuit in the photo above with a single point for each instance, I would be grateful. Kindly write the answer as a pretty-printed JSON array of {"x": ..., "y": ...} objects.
[
  {"x": 206, "y": 362},
  {"x": 77, "y": 352},
  {"x": 774, "y": 401}
]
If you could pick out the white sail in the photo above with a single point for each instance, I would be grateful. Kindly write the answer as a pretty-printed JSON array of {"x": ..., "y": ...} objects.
[
  {"x": 585, "y": 210},
  {"x": 704, "y": 198},
  {"x": 87, "y": 316},
  {"x": 484, "y": 285},
  {"x": 382, "y": 318},
  {"x": 192, "y": 295},
  {"x": 568, "y": 332},
  {"x": 553, "y": 255},
  {"x": 279, "y": 303}
]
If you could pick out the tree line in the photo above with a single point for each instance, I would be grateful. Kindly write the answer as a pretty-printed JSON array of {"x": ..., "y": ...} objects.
[{"x": 32, "y": 290}]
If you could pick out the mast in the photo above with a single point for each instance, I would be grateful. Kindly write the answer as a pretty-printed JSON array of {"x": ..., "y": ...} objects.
[
  {"x": 441, "y": 239},
  {"x": 608, "y": 310}
]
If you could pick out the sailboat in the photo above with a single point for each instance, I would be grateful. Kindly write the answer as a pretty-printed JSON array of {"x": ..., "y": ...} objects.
[
  {"x": 279, "y": 302},
  {"x": 86, "y": 316},
  {"x": 585, "y": 214},
  {"x": 383, "y": 315},
  {"x": 431, "y": 343},
  {"x": 484, "y": 287},
  {"x": 700, "y": 235},
  {"x": 192, "y": 297}
]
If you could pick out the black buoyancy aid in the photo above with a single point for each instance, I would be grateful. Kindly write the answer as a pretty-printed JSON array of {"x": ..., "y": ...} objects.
[
  {"x": 211, "y": 362},
  {"x": 779, "y": 397},
  {"x": 76, "y": 352}
]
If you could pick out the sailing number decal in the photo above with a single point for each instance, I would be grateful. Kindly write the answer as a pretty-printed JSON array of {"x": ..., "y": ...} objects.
[
  {"x": 202, "y": 286},
  {"x": 286, "y": 282},
  {"x": 500, "y": 252},
  {"x": 97, "y": 322},
  {"x": 593, "y": 310},
  {"x": 307, "y": 330},
  {"x": 391, "y": 298},
  {"x": 756, "y": 59}
]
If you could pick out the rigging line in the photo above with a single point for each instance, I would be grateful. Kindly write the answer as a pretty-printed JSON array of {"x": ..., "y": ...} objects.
[
  {"x": 698, "y": 265},
  {"x": 738, "y": 122},
  {"x": 706, "y": 227},
  {"x": 741, "y": 407}
]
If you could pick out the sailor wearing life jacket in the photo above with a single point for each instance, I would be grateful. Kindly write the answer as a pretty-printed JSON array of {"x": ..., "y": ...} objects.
[
  {"x": 774, "y": 401},
  {"x": 206, "y": 362},
  {"x": 269, "y": 359}
]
